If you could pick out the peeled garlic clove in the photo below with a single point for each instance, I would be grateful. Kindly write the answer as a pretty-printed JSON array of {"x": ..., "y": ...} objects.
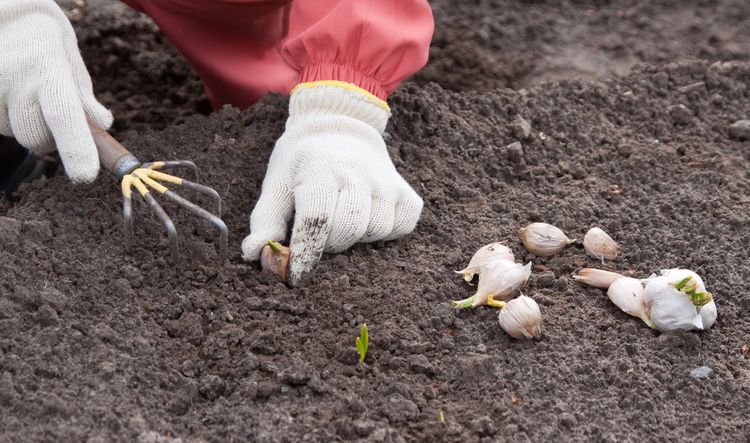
[
  {"x": 485, "y": 255},
  {"x": 501, "y": 280},
  {"x": 599, "y": 244},
  {"x": 275, "y": 258},
  {"x": 543, "y": 239},
  {"x": 597, "y": 278},
  {"x": 677, "y": 299},
  {"x": 521, "y": 318},
  {"x": 627, "y": 294}
]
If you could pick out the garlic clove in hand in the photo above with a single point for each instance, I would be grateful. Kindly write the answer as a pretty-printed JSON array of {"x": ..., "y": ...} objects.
[
  {"x": 599, "y": 244},
  {"x": 597, "y": 278},
  {"x": 485, "y": 255},
  {"x": 677, "y": 300},
  {"x": 543, "y": 239},
  {"x": 275, "y": 258},
  {"x": 627, "y": 294},
  {"x": 521, "y": 318},
  {"x": 500, "y": 280}
]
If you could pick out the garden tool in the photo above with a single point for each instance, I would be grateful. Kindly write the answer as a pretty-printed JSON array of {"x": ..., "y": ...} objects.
[{"x": 147, "y": 179}]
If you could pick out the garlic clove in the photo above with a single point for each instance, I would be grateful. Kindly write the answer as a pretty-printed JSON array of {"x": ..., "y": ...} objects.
[
  {"x": 543, "y": 239},
  {"x": 521, "y": 318},
  {"x": 501, "y": 280},
  {"x": 275, "y": 258},
  {"x": 597, "y": 278},
  {"x": 484, "y": 256},
  {"x": 627, "y": 294},
  {"x": 676, "y": 300},
  {"x": 599, "y": 244}
]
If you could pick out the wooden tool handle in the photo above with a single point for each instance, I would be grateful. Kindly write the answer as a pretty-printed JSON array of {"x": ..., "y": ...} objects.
[{"x": 110, "y": 150}]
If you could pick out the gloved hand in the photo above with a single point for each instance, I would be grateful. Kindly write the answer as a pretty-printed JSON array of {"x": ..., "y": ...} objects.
[
  {"x": 45, "y": 90},
  {"x": 331, "y": 169}
]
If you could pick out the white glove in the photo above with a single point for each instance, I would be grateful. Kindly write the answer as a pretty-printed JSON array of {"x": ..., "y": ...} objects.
[
  {"x": 331, "y": 168},
  {"x": 45, "y": 90}
]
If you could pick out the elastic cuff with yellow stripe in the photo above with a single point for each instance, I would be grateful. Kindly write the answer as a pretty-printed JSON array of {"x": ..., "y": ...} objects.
[{"x": 349, "y": 87}]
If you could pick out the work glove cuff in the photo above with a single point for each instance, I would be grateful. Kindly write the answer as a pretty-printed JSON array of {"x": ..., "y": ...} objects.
[{"x": 320, "y": 99}]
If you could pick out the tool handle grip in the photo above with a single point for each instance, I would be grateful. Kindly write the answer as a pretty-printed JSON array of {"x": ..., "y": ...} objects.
[{"x": 112, "y": 154}]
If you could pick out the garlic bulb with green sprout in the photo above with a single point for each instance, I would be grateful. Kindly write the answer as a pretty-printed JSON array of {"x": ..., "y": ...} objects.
[
  {"x": 678, "y": 300},
  {"x": 501, "y": 280},
  {"x": 627, "y": 294},
  {"x": 484, "y": 256},
  {"x": 599, "y": 244},
  {"x": 274, "y": 257},
  {"x": 597, "y": 278},
  {"x": 543, "y": 239},
  {"x": 521, "y": 318}
]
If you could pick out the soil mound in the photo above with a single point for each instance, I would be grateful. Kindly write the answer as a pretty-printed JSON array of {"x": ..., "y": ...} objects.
[{"x": 98, "y": 344}]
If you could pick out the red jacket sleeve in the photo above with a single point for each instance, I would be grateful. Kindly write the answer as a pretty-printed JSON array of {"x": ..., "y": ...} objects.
[
  {"x": 374, "y": 44},
  {"x": 243, "y": 49}
]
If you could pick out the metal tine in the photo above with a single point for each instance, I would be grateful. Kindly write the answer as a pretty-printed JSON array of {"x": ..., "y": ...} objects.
[
  {"x": 205, "y": 190},
  {"x": 175, "y": 164},
  {"x": 127, "y": 212},
  {"x": 168, "y": 225},
  {"x": 216, "y": 221}
]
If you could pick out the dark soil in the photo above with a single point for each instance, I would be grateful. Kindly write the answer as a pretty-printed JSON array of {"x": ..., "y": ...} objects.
[
  {"x": 97, "y": 345},
  {"x": 484, "y": 44}
]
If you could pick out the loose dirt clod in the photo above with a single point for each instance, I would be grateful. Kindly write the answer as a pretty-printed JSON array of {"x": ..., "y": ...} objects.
[{"x": 740, "y": 130}]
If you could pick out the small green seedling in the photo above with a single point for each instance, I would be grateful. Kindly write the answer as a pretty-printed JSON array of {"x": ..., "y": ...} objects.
[
  {"x": 362, "y": 342},
  {"x": 441, "y": 417}
]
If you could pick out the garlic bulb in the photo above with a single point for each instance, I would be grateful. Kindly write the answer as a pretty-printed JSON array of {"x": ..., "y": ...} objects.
[
  {"x": 599, "y": 244},
  {"x": 485, "y": 255},
  {"x": 708, "y": 314},
  {"x": 677, "y": 300},
  {"x": 543, "y": 239},
  {"x": 597, "y": 278},
  {"x": 275, "y": 258},
  {"x": 627, "y": 294},
  {"x": 521, "y": 318},
  {"x": 502, "y": 280}
]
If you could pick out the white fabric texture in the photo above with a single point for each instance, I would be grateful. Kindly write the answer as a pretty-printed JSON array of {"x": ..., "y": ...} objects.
[
  {"x": 331, "y": 170},
  {"x": 45, "y": 89}
]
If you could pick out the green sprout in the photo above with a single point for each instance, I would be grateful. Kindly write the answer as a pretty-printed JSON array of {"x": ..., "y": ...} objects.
[
  {"x": 275, "y": 246},
  {"x": 688, "y": 286},
  {"x": 441, "y": 417},
  {"x": 362, "y": 342}
]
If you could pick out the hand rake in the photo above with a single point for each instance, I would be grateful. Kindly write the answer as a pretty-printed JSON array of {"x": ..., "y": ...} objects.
[{"x": 148, "y": 177}]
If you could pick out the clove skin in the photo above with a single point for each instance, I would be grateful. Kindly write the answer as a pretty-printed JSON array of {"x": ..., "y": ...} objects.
[{"x": 486, "y": 255}]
